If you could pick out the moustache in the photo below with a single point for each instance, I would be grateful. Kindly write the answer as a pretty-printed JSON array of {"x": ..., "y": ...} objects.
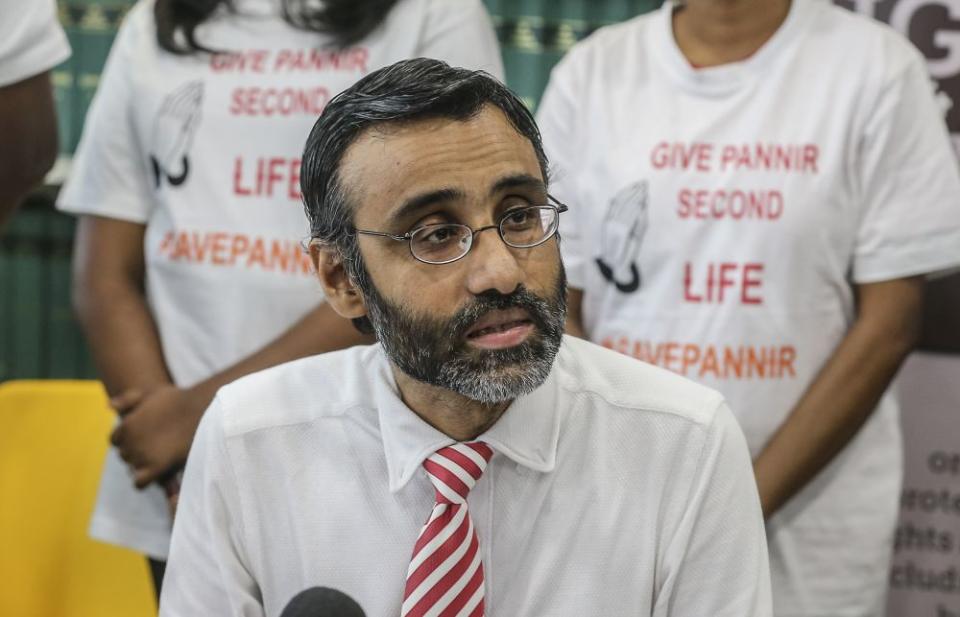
[{"x": 536, "y": 307}]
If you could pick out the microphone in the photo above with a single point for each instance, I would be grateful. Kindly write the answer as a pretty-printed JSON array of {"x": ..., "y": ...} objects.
[{"x": 322, "y": 602}]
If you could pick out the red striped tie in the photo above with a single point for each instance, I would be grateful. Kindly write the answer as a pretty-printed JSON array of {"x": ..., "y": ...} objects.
[{"x": 445, "y": 577}]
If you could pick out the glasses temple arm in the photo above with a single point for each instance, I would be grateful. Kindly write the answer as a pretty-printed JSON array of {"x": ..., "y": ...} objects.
[{"x": 382, "y": 234}]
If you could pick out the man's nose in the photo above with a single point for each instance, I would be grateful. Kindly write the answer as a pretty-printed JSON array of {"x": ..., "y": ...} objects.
[{"x": 493, "y": 265}]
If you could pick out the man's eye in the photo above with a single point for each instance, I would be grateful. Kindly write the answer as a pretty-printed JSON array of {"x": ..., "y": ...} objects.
[
  {"x": 518, "y": 218},
  {"x": 439, "y": 235}
]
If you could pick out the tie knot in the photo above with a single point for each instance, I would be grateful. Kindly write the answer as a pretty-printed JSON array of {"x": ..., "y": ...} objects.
[{"x": 454, "y": 470}]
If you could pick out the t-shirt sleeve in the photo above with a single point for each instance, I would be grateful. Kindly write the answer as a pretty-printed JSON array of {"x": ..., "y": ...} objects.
[
  {"x": 460, "y": 33},
  {"x": 109, "y": 176},
  {"x": 715, "y": 562},
  {"x": 31, "y": 39},
  {"x": 207, "y": 572},
  {"x": 909, "y": 183},
  {"x": 558, "y": 116}
]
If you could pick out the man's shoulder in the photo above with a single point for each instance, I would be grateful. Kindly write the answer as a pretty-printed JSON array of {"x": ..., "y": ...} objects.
[
  {"x": 297, "y": 392},
  {"x": 623, "y": 382}
]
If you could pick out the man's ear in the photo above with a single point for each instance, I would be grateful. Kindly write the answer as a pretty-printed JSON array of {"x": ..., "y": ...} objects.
[{"x": 338, "y": 288}]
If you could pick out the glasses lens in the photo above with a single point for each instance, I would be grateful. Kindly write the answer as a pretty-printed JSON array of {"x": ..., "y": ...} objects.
[
  {"x": 529, "y": 226},
  {"x": 440, "y": 243}
]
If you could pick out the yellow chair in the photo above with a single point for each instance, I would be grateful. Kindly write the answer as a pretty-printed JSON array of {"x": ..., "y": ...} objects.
[{"x": 53, "y": 439}]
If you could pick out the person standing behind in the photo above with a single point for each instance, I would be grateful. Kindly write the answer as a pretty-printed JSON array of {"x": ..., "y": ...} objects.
[
  {"x": 31, "y": 43},
  {"x": 757, "y": 189},
  {"x": 188, "y": 268}
]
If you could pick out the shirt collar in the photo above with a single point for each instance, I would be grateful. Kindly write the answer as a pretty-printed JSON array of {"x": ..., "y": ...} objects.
[{"x": 527, "y": 432}]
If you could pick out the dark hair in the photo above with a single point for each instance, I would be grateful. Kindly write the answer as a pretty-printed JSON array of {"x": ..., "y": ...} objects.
[
  {"x": 406, "y": 91},
  {"x": 347, "y": 21}
]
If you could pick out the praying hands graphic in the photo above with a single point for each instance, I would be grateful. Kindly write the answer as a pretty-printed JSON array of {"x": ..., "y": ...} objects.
[
  {"x": 173, "y": 132},
  {"x": 621, "y": 235}
]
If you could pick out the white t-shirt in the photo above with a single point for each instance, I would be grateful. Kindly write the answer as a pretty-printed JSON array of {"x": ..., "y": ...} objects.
[
  {"x": 205, "y": 151},
  {"x": 719, "y": 220},
  {"x": 31, "y": 39},
  {"x": 616, "y": 488}
]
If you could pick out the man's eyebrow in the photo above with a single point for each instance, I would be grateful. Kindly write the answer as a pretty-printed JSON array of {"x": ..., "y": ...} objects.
[
  {"x": 422, "y": 201},
  {"x": 518, "y": 181}
]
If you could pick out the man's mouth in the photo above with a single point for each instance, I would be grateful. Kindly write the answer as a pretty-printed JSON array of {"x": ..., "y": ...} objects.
[{"x": 500, "y": 329}]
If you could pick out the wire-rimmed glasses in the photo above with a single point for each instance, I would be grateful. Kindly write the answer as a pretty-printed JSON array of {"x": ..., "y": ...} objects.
[{"x": 443, "y": 243}]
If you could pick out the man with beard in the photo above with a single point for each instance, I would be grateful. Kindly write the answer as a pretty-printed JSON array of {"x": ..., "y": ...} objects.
[{"x": 555, "y": 477}]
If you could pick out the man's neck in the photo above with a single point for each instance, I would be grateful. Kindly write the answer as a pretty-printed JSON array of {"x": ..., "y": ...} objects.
[
  {"x": 450, "y": 413},
  {"x": 715, "y": 32}
]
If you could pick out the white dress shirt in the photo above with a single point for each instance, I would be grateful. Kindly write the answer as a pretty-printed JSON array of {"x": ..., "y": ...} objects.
[{"x": 616, "y": 488}]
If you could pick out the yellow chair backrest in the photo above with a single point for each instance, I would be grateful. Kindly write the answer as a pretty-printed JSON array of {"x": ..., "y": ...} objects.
[{"x": 53, "y": 439}]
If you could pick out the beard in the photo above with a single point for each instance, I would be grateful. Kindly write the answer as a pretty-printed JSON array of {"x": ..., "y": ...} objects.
[{"x": 435, "y": 351}]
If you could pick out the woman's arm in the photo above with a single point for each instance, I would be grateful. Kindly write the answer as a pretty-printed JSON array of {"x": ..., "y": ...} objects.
[{"x": 110, "y": 302}]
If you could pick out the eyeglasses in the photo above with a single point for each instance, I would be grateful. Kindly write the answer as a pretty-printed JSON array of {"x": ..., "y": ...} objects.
[{"x": 443, "y": 243}]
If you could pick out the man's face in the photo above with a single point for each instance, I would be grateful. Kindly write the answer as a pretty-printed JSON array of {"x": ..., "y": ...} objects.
[{"x": 489, "y": 325}]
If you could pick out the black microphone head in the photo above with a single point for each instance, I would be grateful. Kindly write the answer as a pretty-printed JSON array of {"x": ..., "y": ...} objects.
[{"x": 322, "y": 602}]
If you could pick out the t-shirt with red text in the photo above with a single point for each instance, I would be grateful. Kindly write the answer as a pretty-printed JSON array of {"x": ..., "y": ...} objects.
[
  {"x": 720, "y": 220},
  {"x": 204, "y": 150}
]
